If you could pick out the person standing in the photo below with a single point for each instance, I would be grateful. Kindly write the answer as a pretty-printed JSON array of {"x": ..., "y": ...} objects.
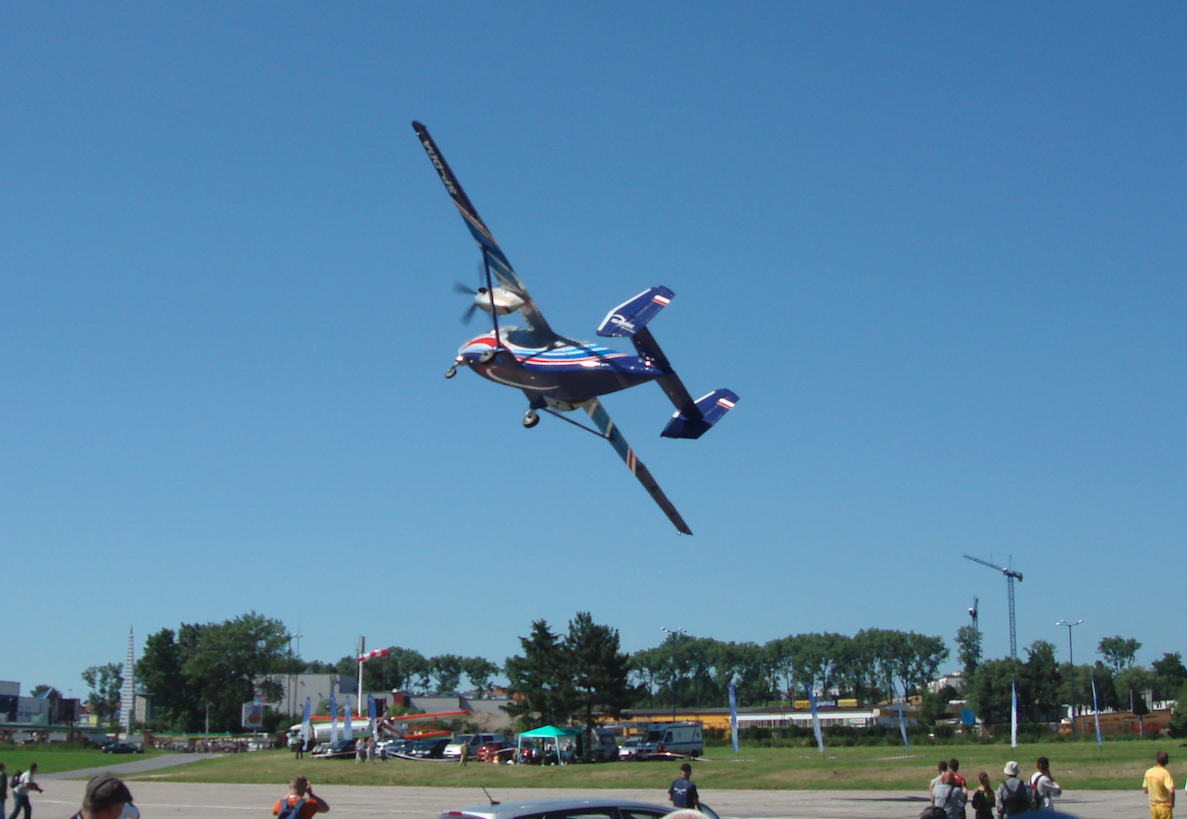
[
  {"x": 1044, "y": 786},
  {"x": 3, "y": 790},
  {"x": 20, "y": 793},
  {"x": 1159, "y": 786},
  {"x": 958, "y": 782},
  {"x": 1013, "y": 796},
  {"x": 107, "y": 798},
  {"x": 983, "y": 798},
  {"x": 941, "y": 769},
  {"x": 682, "y": 793},
  {"x": 946, "y": 796},
  {"x": 300, "y": 793},
  {"x": 463, "y": 756}
]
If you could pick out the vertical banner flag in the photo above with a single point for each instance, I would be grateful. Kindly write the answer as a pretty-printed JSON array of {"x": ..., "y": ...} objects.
[
  {"x": 305, "y": 732},
  {"x": 902, "y": 723},
  {"x": 1013, "y": 715},
  {"x": 371, "y": 714},
  {"x": 734, "y": 717},
  {"x": 815, "y": 719},
  {"x": 346, "y": 719},
  {"x": 1095, "y": 709},
  {"x": 333, "y": 718}
]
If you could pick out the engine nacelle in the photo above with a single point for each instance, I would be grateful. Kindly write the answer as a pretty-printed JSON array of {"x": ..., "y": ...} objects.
[{"x": 504, "y": 301}]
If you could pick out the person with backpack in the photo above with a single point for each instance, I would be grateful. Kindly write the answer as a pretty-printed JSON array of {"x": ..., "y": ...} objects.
[
  {"x": 301, "y": 803},
  {"x": 983, "y": 798},
  {"x": 21, "y": 785},
  {"x": 1044, "y": 786},
  {"x": 1013, "y": 795}
]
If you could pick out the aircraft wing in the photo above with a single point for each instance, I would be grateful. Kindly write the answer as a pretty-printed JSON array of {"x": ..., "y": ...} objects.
[
  {"x": 610, "y": 432},
  {"x": 493, "y": 254}
]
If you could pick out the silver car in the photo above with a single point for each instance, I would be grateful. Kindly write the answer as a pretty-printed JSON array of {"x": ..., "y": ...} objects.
[{"x": 598, "y": 808}]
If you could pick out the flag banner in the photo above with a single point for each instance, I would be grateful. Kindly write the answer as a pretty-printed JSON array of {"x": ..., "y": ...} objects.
[
  {"x": 902, "y": 723},
  {"x": 371, "y": 713},
  {"x": 305, "y": 726},
  {"x": 1013, "y": 715},
  {"x": 346, "y": 719},
  {"x": 734, "y": 717},
  {"x": 815, "y": 719},
  {"x": 333, "y": 719},
  {"x": 1095, "y": 708}
]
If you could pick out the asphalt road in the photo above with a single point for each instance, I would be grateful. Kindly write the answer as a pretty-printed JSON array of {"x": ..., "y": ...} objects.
[{"x": 176, "y": 800}]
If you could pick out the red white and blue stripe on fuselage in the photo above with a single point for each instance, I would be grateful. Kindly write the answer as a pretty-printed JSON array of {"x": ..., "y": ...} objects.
[{"x": 566, "y": 370}]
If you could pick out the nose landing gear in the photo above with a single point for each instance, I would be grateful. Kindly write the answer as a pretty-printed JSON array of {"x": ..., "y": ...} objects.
[{"x": 452, "y": 371}]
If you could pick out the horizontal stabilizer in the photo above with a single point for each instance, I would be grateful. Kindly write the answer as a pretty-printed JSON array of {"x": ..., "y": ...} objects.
[
  {"x": 712, "y": 407},
  {"x": 630, "y": 317}
]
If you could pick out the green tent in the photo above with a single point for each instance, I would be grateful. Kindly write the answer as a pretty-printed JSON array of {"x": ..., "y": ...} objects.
[{"x": 544, "y": 734}]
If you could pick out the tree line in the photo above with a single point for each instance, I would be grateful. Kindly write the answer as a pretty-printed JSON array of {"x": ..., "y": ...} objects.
[{"x": 219, "y": 666}]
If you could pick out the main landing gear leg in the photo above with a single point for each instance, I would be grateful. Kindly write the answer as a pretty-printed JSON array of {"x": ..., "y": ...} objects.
[
  {"x": 452, "y": 371},
  {"x": 531, "y": 417}
]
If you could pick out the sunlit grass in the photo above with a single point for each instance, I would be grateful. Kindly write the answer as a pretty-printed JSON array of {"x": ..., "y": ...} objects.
[{"x": 1119, "y": 765}]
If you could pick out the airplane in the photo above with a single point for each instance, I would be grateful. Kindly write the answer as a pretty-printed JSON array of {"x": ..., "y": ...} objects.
[{"x": 559, "y": 374}]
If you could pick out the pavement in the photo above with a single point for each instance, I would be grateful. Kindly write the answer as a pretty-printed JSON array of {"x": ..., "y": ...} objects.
[{"x": 182, "y": 800}]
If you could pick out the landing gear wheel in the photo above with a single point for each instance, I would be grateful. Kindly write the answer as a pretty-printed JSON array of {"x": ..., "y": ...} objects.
[
  {"x": 487, "y": 356},
  {"x": 451, "y": 372},
  {"x": 530, "y": 419}
]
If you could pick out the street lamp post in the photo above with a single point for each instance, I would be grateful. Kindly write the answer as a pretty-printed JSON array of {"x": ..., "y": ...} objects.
[
  {"x": 1071, "y": 688},
  {"x": 672, "y": 636}
]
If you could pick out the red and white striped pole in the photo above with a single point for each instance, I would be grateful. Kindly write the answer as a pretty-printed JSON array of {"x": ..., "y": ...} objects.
[{"x": 362, "y": 658}]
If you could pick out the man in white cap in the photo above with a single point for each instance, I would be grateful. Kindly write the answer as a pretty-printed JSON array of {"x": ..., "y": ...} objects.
[
  {"x": 107, "y": 798},
  {"x": 1013, "y": 795}
]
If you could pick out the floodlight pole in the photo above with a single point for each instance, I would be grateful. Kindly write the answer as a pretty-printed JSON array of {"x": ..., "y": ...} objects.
[{"x": 1071, "y": 688}]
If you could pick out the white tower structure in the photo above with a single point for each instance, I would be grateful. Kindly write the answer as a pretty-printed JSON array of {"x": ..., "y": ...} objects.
[{"x": 128, "y": 692}]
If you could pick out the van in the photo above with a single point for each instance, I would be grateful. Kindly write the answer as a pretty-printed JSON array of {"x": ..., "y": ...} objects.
[
  {"x": 603, "y": 746},
  {"x": 454, "y": 749},
  {"x": 672, "y": 738}
]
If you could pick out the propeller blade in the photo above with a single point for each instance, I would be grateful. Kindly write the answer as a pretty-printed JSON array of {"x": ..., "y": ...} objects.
[
  {"x": 469, "y": 314},
  {"x": 461, "y": 288}
]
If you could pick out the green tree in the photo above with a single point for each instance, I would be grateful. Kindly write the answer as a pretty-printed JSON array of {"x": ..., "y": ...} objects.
[
  {"x": 968, "y": 652},
  {"x": 1178, "y": 726},
  {"x": 598, "y": 670},
  {"x": 447, "y": 669},
  {"x": 1119, "y": 652},
  {"x": 480, "y": 672},
  {"x": 105, "y": 682},
  {"x": 539, "y": 680},
  {"x": 1170, "y": 674},
  {"x": 1039, "y": 682},
  {"x": 989, "y": 691}
]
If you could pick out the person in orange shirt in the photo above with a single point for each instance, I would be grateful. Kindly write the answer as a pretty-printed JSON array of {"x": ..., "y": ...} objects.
[
  {"x": 1160, "y": 787},
  {"x": 300, "y": 793}
]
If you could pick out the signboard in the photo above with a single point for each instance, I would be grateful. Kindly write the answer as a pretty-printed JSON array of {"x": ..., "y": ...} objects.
[{"x": 253, "y": 716}]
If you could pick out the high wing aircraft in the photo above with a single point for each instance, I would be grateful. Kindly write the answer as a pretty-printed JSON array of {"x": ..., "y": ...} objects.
[{"x": 559, "y": 374}]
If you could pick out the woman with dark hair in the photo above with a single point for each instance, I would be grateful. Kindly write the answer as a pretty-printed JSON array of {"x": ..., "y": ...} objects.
[{"x": 983, "y": 798}]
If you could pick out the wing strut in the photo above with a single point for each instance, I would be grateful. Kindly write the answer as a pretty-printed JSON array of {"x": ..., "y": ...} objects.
[{"x": 610, "y": 432}]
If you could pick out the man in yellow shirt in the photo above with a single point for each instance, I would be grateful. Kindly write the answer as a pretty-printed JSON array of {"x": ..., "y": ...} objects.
[{"x": 1161, "y": 788}]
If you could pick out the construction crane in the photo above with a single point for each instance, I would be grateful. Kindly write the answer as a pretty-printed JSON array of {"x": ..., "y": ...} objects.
[
  {"x": 1011, "y": 576},
  {"x": 973, "y": 614}
]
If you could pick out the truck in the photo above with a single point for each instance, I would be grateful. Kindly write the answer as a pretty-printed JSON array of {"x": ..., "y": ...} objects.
[{"x": 671, "y": 738}]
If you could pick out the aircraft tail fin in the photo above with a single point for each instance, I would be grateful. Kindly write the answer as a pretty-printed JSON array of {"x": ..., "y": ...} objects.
[
  {"x": 632, "y": 316},
  {"x": 711, "y": 409}
]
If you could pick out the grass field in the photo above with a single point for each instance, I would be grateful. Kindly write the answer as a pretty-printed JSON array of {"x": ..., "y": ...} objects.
[
  {"x": 54, "y": 758},
  {"x": 1076, "y": 766}
]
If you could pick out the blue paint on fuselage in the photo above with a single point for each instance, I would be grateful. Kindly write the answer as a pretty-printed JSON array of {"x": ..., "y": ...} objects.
[{"x": 564, "y": 370}]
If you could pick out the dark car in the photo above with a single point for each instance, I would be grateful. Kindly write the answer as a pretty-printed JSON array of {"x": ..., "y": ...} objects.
[
  {"x": 396, "y": 747},
  {"x": 430, "y": 748},
  {"x": 121, "y": 748},
  {"x": 342, "y": 749}
]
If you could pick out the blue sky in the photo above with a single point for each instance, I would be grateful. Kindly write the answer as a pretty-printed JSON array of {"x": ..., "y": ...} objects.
[{"x": 937, "y": 250}]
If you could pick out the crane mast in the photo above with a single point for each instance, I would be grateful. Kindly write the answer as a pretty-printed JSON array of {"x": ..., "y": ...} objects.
[{"x": 1011, "y": 576}]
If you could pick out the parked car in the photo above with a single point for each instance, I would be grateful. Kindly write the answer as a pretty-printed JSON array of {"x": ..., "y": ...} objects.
[
  {"x": 475, "y": 741},
  {"x": 342, "y": 749},
  {"x": 498, "y": 751},
  {"x": 121, "y": 748},
  {"x": 429, "y": 748},
  {"x": 599, "y": 808},
  {"x": 629, "y": 748},
  {"x": 392, "y": 747}
]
